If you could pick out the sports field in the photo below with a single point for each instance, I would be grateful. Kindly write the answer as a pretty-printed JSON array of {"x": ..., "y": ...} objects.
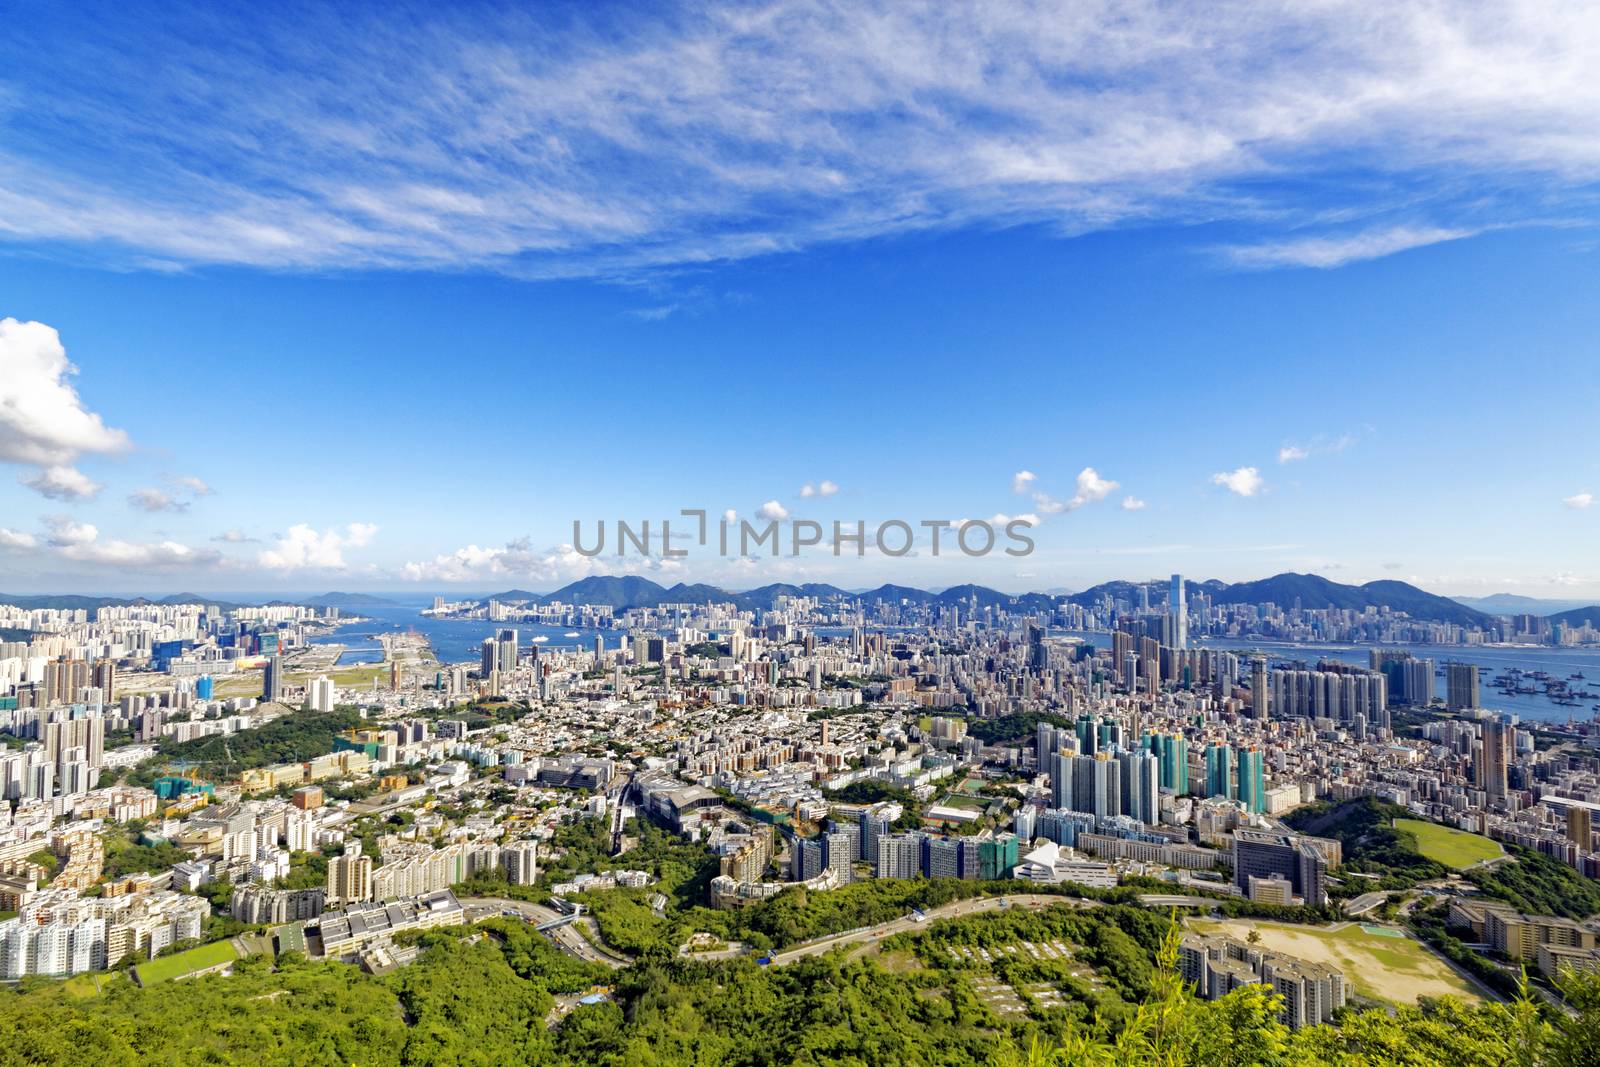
[
  {"x": 1453, "y": 848},
  {"x": 181, "y": 963},
  {"x": 1376, "y": 963}
]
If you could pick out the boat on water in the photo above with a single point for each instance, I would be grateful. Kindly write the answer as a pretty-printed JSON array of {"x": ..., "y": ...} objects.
[
  {"x": 572, "y": 633},
  {"x": 541, "y": 639}
]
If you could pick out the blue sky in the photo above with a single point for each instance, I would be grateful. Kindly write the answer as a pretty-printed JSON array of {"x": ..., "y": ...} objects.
[{"x": 385, "y": 305}]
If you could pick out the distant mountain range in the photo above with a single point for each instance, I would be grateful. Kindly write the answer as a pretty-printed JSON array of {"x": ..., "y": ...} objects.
[
  {"x": 1514, "y": 604},
  {"x": 631, "y": 591},
  {"x": 1310, "y": 590},
  {"x": 74, "y": 602},
  {"x": 345, "y": 600}
]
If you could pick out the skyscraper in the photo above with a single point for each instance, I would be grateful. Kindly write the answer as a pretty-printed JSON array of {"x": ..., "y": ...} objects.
[
  {"x": 1038, "y": 655},
  {"x": 1141, "y": 781},
  {"x": 1258, "y": 687},
  {"x": 1252, "y": 780},
  {"x": 505, "y": 659},
  {"x": 319, "y": 696},
  {"x": 272, "y": 679},
  {"x": 1580, "y": 825},
  {"x": 349, "y": 877},
  {"x": 1219, "y": 772},
  {"x": 1494, "y": 755},
  {"x": 1172, "y": 751},
  {"x": 1461, "y": 685},
  {"x": 1178, "y": 608}
]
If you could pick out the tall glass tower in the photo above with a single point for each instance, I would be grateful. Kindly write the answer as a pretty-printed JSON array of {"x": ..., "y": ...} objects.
[{"x": 1178, "y": 608}]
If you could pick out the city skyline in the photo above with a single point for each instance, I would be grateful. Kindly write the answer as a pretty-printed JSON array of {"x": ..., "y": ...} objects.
[{"x": 1317, "y": 331}]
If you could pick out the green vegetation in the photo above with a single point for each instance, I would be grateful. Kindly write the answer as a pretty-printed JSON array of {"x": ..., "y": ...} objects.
[
  {"x": 1020, "y": 727},
  {"x": 1451, "y": 847},
  {"x": 873, "y": 791},
  {"x": 307, "y": 870},
  {"x": 125, "y": 855},
  {"x": 485, "y": 996},
  {"x": 1538, "y": 885},
  {"x": 187, "y": 962},
  {"x": 1371, "y": 844},
  {"x": 1381, "y": 839},
  {"x": 295, "y": 737}
]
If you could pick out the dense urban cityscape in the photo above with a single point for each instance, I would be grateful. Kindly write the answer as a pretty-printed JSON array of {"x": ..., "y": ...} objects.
[{"x": 192, "y": 786}]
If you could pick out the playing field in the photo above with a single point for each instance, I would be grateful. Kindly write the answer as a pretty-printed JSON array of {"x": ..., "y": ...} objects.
[
  {"x": 1453, "y": 848},
  {"x": 1378, "y": 965},
  {"x": 181, "y": 963}
]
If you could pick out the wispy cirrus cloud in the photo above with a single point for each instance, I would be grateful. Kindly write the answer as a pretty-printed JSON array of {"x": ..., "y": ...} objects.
[
  {"x": 156, "y": 500},
  {"x": 588, "y": 144},
  {"x": 1321, "y": 445},
  {"x": 1335, "y": 250}
]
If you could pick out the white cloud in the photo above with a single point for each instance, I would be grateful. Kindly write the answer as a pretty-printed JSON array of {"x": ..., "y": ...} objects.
[
  {"x": 65, "y": 531},
  {"x": 730, "y": 516},
  {"x": 1578, "y": 501},
  {"x": 1091, "y": 487},
  {"x": 235, "y": 536},
  {"x": 1338, "y": 249},
  {"x": 773, "y": 510},
  {"x": 63, "y": 483},
  {"x": 194, "y": 484},
  {"x": 519, "y": 560},
  {"x": 43, "y": 423},
  {"x": 17, "y": 540},
  {"x": 304, "y": 547},
  {"x": 162, "y": 554},
  {"x": 826, "y": 488},
  {"x": 808, "y": 490},
  {"x": 1000, "y": 520},
  {"x": 1245, "y": 481},
  {"x": 157, "y": 500},
  {"x": 1132, "y": 503},
  {"x": 1321, "y": 445},
  {"x": 724, "y": 130}
]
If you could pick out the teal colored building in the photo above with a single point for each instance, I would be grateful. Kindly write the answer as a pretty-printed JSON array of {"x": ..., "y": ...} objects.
[
  {"x": 1252, "y": 780},
  {"x": 1219, "y": 772}
]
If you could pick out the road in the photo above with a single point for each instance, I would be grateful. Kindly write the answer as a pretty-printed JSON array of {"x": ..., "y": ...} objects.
[
  {"x": 567, "y": 938},
  {"x": 1364, "y": 903},
  {"x": 952, "y": 910},
  {"x": 1176, "y": 900}
]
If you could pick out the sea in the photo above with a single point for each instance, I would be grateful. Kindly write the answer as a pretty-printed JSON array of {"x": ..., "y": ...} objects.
[
  {"x": 453, "y": 640},
  {"x": 1491, "y": 660}
]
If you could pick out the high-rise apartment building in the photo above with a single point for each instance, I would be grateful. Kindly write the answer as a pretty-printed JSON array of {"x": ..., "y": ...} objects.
[
  {"x": 1494, "y": 755},
  {"x": 1178, "y": 609},
  {"x": 272, "y": 679},
  {"x": 349, "y": 877},
  {"x": 1461, "y": 685}
]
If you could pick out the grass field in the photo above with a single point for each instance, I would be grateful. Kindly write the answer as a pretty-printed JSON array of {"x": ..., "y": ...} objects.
[
  {"x": 181, "y": 963},
  {"x": 1377, "y": 965},
  {"x": 1453, "y": 848}
]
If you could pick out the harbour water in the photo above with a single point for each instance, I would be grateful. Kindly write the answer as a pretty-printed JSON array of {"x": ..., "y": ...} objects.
[
  {"x": 453, "y": 640},
  {"x": 1491, "y": 661}
]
